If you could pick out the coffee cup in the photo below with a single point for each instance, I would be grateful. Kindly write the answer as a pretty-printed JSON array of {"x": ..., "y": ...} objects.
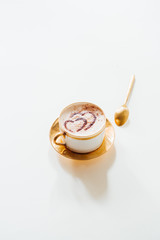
[{"x": 82, "y": 126}]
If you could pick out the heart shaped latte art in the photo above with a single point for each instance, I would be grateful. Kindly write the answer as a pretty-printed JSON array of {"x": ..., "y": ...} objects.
[
  {"x": 79, "y": 124},
  {"x": 85, "y": 122},
  {"x": 91, "y": 119}
]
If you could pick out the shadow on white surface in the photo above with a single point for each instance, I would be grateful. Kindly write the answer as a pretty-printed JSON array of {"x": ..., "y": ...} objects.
[{"x": 92, "y": 173}]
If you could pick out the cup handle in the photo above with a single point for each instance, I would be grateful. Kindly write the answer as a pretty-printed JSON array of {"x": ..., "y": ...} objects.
[{"x": 57, "y": 136}]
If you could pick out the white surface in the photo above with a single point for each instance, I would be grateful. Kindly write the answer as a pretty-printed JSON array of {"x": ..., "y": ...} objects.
[{"x": 53, "y": 53}]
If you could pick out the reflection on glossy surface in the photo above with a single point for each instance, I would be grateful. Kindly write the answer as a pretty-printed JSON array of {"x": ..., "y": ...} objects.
[{"x": 93, "y": 173}]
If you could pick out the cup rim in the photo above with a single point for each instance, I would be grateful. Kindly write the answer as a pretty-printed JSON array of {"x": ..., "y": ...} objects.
[{"x": 82, "y": 136}]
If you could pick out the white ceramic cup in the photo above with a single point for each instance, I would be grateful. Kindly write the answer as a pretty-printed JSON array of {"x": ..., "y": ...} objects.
[{"x": 80, "y": 144}]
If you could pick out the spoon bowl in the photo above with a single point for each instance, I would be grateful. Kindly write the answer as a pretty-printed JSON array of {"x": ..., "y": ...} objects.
[{"x": 121, "y": 115}]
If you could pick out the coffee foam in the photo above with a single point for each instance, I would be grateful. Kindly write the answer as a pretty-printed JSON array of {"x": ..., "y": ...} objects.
[{"x": 82, "y": 119}]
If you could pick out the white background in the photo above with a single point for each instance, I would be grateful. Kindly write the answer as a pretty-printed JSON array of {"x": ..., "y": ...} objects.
[{"x": 53, "y": 53}]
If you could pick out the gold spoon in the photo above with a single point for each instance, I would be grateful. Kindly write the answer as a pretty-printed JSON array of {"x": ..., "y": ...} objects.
[{"x": 121, "y": 115}]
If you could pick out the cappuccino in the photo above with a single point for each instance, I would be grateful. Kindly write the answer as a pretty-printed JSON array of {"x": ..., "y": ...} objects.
[{"x": 82, "y": 119}]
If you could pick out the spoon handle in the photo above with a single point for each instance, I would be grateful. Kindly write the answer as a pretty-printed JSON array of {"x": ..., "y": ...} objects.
[{"x": 130, "y": 88}]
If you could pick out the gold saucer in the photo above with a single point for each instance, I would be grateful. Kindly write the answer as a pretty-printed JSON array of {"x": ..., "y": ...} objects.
[{"x": 106, "y": 145}]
